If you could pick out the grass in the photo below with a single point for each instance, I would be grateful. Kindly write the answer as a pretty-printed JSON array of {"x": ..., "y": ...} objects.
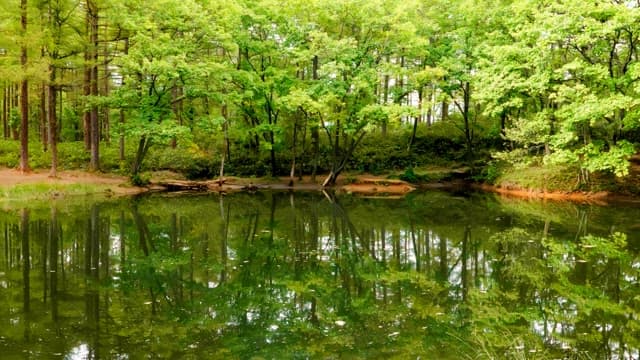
[
  {"x": 565, "y": 179},
  {"x": 41, "y": 191},
  {"x": 549, "y": 178}
]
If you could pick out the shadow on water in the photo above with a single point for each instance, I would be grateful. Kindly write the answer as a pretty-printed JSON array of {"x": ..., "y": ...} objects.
[{"x": 308, "y": 275}]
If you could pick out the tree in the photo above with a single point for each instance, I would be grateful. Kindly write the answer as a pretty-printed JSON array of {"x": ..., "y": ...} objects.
[
  {"x": 263, "y": 74},
  {"x": 166, "y": 49},
  {"x": 24, "y": 93},
  {"x": 91, "y": 85},
  {"x": 567, "y": 78},
  {"x": 61, "y": 45},
  {"x": 346, "y": 47}
]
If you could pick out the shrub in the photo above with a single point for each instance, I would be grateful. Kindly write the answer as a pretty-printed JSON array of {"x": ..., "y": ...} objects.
[
  {"x": 489, "y": 174},
  {"x": 140, "y": 179},
  {"x": 409, "y": 176}
]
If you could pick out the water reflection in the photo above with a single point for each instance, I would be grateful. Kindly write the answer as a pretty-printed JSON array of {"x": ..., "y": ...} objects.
[{"x": 312, "y": 276}]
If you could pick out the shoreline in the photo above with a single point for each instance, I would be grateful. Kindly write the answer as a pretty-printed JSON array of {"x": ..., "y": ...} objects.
[
  {"x": 37, "y": 184},
  {"x": 602, "y": 198}
]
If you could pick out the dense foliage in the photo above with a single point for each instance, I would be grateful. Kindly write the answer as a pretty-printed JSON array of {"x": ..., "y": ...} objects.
[{"x": 296, "y": 87}]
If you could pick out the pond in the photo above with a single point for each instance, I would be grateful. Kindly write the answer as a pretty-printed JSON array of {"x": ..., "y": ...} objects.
[{"x": 277, "y": 275}]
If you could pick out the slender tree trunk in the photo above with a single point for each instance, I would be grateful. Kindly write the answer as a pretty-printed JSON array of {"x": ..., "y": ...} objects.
[
  {"x": 5, "y": 111},
  {"x": 445, "y": 110},
  {"x": 293, "y": 153},
  {"x": 225, "y": 129},
  {"x": 24, "y": 94},
  {"x": 315, "y": 132},
  {"x": 86, "y": 91},
  {"x": 174, "y": 107},
  {"x": 341, "y": 156},
  {"x": 16, "y": 104},
  {"x": 415, "y": 121},
  {"x": 92, "y": 8},
  {"x": 53, "y": 123},
  {"x": 385, "y": 100},
  {"x": 432, "y": 95},
  {"x": 106, "y": 131},
  {"x": 176, "y": 100},
  {"x": 122, "y": 117},
  {"x": 466, "y": 115},
  {"x": 43, "y": 115},
  {"x": 143, "y": 147}
]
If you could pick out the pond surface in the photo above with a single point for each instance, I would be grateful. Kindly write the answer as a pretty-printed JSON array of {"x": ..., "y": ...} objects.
[{"x": 297, "y": 276}]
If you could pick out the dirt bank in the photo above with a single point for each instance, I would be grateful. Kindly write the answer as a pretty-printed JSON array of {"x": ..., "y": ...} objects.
[{"x": 601, "y": 197}]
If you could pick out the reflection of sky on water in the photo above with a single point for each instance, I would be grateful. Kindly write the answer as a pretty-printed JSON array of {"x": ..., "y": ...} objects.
[{"x": 80, "y": 352}]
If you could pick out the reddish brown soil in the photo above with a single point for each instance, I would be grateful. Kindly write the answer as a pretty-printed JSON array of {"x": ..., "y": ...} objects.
[
  {"x": 576, "y": 196},
  {"x": 373, "y": 186}
]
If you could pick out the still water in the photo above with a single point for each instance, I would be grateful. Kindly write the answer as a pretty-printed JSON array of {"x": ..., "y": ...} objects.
[{"x": 297, "y": 276}]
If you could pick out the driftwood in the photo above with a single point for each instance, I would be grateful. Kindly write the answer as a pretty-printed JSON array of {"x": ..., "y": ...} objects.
[{"x": 184, "y": 185}]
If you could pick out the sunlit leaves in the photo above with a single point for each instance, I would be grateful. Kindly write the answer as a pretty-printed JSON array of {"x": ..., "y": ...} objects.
[{"x": 566, "y": 68}]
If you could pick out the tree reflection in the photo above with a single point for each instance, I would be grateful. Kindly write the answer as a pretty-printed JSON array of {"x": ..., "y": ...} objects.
[{"x": 283, "y": 275}]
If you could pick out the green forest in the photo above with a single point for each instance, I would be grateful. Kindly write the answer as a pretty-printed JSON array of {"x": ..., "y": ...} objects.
[{"x": 319, "y": 87}]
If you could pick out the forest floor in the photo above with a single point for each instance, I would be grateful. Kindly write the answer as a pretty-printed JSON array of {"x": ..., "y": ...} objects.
[
  {"x": 76, "y": 181},
  {"x": 9, "y": 177}
]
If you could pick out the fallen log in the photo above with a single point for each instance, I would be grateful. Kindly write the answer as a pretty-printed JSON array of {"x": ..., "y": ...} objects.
[{"x": 184, "y": 185}]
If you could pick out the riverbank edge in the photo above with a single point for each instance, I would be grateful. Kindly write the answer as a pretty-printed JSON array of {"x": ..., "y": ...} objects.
[{"x": 110, "y": 185}]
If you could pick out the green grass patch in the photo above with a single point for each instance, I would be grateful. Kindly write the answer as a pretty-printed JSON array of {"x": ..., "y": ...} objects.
[
  {"x": 39, "y": 191},
  {"x": 550, "y": 178}
]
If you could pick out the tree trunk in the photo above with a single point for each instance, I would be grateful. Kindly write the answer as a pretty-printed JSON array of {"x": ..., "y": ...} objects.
[
  {"x": 225, "y": 129},
  {"x": 143, "y": 147},
  {"x": 341, "y": 156},
  {"x": 465, "y": 114},
  {"x": 385, "y": 100},
  {"x": 43, "y": 115},
  {"x": 86, "y": 91},
  {"x": 121, "y": 145},
  {"x": 53, "y": 123},
  {"x": 106, "y": 131},
  {"x": 292, "y": 173},
  {"x": 415, "y": 122},
  {"x": 5, "y": 111},
  {"x": 331, "y": 179},
  {"x": 174, "y": 108},
  {"x": 315, "y": 145},
  {"x": 315, "y": 132},
  {"x": 24, "y": 95},
  {"x": 16, "y": 105},
  {"x": 445, "y": 110},
  {"x": 92, "y": 18}
]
